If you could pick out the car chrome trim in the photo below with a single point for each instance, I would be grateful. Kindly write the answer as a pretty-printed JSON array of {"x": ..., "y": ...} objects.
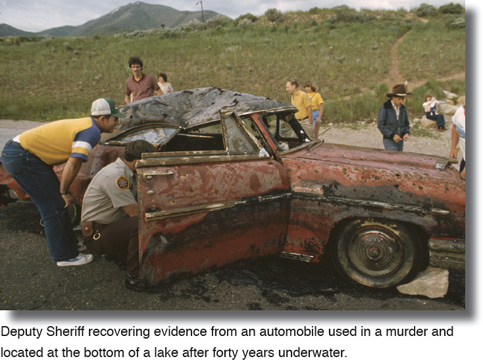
[
  {"x": 158, "y": 172},
  {"x": 296, "y": 256},
  {"x": 179, "y": 212},
  {"x": 372, "y": 204},
  {"x": 201, "y": 157}
]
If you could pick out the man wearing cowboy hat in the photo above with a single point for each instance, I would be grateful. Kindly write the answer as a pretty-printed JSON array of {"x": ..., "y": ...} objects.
[{"x": 393, "y": 120}]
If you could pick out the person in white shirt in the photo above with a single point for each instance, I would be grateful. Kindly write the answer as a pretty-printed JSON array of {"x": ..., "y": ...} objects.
[
  {"x": 458, "y": 137},
  {"x": 163, "y": 83}
]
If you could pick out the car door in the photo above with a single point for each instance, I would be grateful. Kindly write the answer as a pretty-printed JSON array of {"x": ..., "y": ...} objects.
[{"x": 203, "y": 209}]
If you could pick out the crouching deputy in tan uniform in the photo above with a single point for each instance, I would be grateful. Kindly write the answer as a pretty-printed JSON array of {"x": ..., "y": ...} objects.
[{"x": 109, "y": 212}]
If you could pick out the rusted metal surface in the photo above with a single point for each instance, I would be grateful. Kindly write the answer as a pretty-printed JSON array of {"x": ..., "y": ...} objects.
[
  {"x": 331, "y": 184},
  {"x": 202, "y": 215},
  {"x": 257, "y": 186},
  {"x": 10, "y": 191}
]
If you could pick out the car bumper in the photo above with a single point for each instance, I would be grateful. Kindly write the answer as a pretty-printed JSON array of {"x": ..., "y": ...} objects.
[{"x": 447, "y": 253}]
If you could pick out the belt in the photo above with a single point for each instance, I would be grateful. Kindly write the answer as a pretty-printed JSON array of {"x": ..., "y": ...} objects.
[
  {"x": 15, "y": 143},
  {"x": 301, "y": 119}
]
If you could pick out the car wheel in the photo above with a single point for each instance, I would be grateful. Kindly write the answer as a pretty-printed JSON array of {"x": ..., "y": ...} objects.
[{"x": 377, "y": 253}]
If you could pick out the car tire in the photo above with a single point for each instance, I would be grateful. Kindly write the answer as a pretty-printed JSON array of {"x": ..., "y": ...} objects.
[{"x": 377, "y": 253}]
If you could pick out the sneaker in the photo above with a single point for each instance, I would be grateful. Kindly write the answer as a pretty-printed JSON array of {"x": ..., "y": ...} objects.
[{"x": 81, "y": 259}]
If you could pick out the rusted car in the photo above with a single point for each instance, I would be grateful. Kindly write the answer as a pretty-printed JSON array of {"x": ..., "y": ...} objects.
[{"x": 236, "y": 177}]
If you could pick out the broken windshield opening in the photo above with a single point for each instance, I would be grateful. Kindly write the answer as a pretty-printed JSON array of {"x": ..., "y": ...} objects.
[
  {"x": 154, "y": 135},
  {"x": 285, "y": 129}
]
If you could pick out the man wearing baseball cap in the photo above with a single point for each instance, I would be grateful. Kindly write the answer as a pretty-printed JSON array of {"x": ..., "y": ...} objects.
[{"x": 30, "y": 157}]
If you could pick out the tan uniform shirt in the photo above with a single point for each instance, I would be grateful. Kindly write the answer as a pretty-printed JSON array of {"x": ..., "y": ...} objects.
[{"x": 112, "y": 188}]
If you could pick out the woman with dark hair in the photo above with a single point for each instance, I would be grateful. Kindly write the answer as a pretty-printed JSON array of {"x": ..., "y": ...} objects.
[
  {"x": 317, "y": 104},
  {"x": 164, "y": 84},
  {"x": 431, "y": 109}
]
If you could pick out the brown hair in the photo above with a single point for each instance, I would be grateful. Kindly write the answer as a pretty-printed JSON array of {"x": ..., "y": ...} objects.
[
  {"x": 311, "y": 85},
  {"x": 135, "y": 148}
]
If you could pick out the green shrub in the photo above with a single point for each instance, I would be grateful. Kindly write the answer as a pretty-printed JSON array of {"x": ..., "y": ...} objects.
[
  {"x": 193, "y": 25},
  {"x": 315, "y": 11},
  {"x": 219, "y": 21},
  {"x": 452, "y": 8},
  {"x": 455, "y": 22},
  {"x": 248, "y": 16},
  {"x": 426, "y": 10},
  {"x": 274, "y": 15}
]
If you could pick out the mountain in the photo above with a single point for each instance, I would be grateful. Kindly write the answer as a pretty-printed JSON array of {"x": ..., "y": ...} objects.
[
  {"x": 131, "y": 17},
  {"x": 9, "y": 31}
]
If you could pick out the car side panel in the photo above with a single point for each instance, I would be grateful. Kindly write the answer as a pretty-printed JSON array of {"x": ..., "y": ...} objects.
[{"x": 199, "y": 216}]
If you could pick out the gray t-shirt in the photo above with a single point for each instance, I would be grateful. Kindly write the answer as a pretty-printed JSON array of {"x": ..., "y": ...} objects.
[{"x": 112, "y": 188}]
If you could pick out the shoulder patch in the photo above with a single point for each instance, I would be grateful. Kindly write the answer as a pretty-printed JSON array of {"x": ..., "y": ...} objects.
[{"x": 122, "y": 182}]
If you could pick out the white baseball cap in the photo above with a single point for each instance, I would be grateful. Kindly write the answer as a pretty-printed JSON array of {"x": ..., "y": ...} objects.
[{"x": 104, "y": 107}]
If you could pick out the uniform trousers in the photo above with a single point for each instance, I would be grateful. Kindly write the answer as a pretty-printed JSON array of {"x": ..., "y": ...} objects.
[{"x": 119, "y": 241}]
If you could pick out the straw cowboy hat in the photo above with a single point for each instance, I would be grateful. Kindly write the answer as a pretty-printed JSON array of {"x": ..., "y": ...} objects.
[{"x": 399, "y": 90}]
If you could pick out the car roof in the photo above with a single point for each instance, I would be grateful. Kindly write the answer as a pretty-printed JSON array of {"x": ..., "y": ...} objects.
[{"x": 195, "y": 107}]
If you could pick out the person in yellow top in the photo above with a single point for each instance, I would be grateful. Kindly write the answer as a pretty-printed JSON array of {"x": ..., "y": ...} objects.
[
  {"x": 300, "y": 100},
  {"x": 317, "y": 104},
  {"x": 29, "y": 158}
]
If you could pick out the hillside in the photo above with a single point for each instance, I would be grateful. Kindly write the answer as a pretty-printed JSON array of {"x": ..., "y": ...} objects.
[
  {"x": 128, "y": 18},
  {"x": 9, "y": 31},
  {"x": 353, "y": 57}
]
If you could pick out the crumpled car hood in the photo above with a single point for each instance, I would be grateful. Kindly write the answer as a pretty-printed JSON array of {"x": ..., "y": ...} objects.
[
  {"x": 376, "y": 158},
  {"x": 195, "y": 107}
]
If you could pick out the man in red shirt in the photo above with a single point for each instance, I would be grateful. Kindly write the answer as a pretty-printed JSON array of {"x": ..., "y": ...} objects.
[{"x": 140, "y": 85}]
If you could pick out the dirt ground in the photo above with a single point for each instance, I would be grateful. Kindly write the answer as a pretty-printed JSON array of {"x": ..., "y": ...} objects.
[{"x": 367, "y": 135}]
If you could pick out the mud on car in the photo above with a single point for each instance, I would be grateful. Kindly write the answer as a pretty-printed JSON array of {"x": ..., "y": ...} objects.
[{"x": 236, "y": 177}]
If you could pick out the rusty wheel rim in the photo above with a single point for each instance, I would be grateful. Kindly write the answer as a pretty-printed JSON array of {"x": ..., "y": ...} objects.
[{"x": 375, "y": 252}]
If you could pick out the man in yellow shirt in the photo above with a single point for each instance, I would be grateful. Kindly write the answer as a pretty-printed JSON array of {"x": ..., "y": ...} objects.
[
  {"x": 300, "y": 100},
  {"x": 29, "y": 158}
]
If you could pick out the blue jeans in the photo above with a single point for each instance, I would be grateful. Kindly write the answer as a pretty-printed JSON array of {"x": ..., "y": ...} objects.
[
  {"x": 390, "y": 144},
  {"x": 42, "y": 185},
  {"x": 439, "y": 118}
]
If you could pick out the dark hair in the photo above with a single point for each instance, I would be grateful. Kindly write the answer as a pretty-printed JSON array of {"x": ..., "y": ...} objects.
[
  {"x": 135, "y": 148},
  {"x": 135, "y": 60},
  {"x": 165, "y": 77},
  {"x": 294, "y": 83},
  {"x": 311, "y": 85}
]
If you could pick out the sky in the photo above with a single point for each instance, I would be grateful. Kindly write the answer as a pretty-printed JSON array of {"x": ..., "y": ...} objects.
[{"x": 40, "y": 15}]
